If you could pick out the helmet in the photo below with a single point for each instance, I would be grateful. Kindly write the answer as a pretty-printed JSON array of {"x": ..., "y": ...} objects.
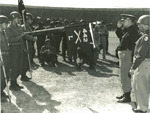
[
  {"x": 144, "y": 19},
  {"x": 29, "y": 16},
  {"x": 14, "y": 15},
  {"x": 3, "y": 19}
]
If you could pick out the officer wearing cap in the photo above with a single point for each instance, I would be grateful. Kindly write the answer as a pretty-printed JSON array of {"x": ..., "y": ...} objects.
[
  {"x": 5, "y": 55},
  {"x": 15, "y": 33},
  {"x": 31, "y": 40},
  {"x": 140, "y": 68},
  {"x": 125, "y": 51}
]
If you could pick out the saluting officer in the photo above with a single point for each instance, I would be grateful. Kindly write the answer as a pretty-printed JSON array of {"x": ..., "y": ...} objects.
[
  {"x": 15, "y": 33},
  {"x": 141, "y": 66},
  {"x": 5, "y": 55},
  {"x": 31, "y": 40},
  {"x": 125, "y": 51}
]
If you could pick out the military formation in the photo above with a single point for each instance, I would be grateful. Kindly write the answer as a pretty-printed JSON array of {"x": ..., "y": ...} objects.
[{"x": 18, "y": 50}]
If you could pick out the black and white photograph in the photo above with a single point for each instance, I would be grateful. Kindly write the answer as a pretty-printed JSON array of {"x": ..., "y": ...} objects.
[{"x": 75, "y": 56}]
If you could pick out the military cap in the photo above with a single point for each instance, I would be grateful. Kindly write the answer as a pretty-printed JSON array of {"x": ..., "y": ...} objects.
[
  {"x": 144, "y": 19},
  {"x": 29, "y": 16},
  {"x": 128, "y": 16},
  {"x": 3, "y": 19},
  {"x": 14, "y": 15}
]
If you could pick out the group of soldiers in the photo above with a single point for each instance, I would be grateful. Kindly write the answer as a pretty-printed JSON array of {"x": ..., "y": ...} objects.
[
  {"x": 134, "y": 60},
  {"x": 17, "y": 51}
]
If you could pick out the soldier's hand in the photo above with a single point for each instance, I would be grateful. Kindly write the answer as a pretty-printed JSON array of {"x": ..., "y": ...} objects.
[
  {"x": 23, "y": 34},
  {"x": 131, "y": 72},
  {"x": 34, "y": 39}
]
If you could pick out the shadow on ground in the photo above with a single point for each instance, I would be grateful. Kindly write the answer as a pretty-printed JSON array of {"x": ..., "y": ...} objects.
[{"x": 37, "y": 101}]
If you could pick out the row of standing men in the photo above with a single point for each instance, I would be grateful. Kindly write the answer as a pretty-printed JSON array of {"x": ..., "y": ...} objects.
[{"x": 134, "y": 60}]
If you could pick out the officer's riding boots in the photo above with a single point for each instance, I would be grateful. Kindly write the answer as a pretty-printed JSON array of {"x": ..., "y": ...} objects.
[{"x": 125, "y": 98}]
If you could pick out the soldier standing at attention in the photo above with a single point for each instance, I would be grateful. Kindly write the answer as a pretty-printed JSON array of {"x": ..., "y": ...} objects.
[
  {"x": 30, "y": 39},
  {"x": 103, "y": 32},
  {"x": 15, "y": 33},
  {"x": 140, "y": 68},
  {"x": 40, "y": 38},
  {"x": 125, "y": 51},
  {"x": 5, "y": 55}
]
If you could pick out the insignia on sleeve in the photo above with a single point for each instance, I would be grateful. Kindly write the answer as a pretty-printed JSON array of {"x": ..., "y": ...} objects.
[{"x": 146, "y": 38}]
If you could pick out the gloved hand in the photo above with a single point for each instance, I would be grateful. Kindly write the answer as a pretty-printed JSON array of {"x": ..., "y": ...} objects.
[{"x": 131, "y": 72}]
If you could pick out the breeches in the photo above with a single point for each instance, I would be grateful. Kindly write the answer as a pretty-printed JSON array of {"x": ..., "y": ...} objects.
[{"x": 125, "y": 61}]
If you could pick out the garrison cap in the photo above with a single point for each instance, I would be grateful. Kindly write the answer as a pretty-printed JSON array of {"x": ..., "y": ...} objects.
[
  {"x": 14, "y": 15},
  {"x": 3, "y": 19},
  {"x": 128, "y": 16},
  {"x": 29, "y": 16},
  {"x": 144, "y": 19}
]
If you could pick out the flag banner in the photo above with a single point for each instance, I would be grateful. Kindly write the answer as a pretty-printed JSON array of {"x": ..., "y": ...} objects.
[
  {"x": 80, "y": 36},
  {"x": 21, "y": 9}
]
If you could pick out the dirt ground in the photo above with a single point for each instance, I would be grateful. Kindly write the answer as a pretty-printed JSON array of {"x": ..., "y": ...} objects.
[{"x": 66, "y": 90}]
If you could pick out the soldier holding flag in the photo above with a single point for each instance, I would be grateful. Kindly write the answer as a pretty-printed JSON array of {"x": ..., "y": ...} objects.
[
  {"x": 30, "y": 39},
  {"x": 15, "y": 33}
]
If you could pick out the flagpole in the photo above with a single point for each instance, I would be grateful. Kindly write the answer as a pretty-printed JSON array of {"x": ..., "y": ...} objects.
[
  {"x": 27, "y": 44},
  {"x": 91, "y": 31}
]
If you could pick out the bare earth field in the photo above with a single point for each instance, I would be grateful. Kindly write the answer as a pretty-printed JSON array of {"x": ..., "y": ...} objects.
[{"x": 64, "y": 89}]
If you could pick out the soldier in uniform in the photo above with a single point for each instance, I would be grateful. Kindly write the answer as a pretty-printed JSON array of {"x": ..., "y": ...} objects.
[
  {"x": 125, "y": 51},
  {"x": 30, "y": 39},
  {"x": 48, "y": 54},
  {"x": 15, "y": 33},
  {"x": 64, "y": 40},
  {"x": 5, "y": 55},
  {"x": 40, "y": 38},
  {"x": 103, "y": 32},
  {"x": 140, "y": 68},
  {"x": 29, "y": 28}
]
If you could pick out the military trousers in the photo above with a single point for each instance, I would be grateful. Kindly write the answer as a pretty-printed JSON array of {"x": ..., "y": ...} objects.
[
  {"x": 25, "y": 66},
  {"x": 141, "y": 85},
  {"x": 103, "y": 45},
  {"x": 16, "y": 61},
  {"x": 125, "y": 61},
  {"x": 7, "y": 70}
]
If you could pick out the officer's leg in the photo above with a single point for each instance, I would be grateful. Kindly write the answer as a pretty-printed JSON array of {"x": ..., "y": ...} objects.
[{"x": 141, "y": 88}]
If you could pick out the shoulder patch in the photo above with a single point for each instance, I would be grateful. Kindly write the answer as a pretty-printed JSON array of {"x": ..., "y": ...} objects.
[{"x": 146, "y": 38}]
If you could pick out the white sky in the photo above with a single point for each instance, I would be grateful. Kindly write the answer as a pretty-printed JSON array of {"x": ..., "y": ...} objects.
[{"x": 84, "y": 3}]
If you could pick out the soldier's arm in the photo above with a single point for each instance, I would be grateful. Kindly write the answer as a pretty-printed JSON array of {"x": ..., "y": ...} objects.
[
  {"x": 29, "y": 38},
  {"x": 141, "y": 53},
  {"x": 14, "y": 37}
]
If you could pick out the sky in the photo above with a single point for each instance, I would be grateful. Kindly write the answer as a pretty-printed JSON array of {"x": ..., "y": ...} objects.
[{"x": 84, "y": 3}]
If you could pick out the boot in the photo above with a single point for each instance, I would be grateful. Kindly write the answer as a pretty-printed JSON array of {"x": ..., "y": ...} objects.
[
  {"x": 14, "y": 86},
  {"x": 120, "y": 97},
  {"x": 25, "y": 78},
  {"x": 126, "y": 98}
]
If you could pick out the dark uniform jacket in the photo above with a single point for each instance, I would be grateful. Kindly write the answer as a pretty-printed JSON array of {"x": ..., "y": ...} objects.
[
  {"x": 142, "y": 50},
  {"x": 131, "y": 35}
]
